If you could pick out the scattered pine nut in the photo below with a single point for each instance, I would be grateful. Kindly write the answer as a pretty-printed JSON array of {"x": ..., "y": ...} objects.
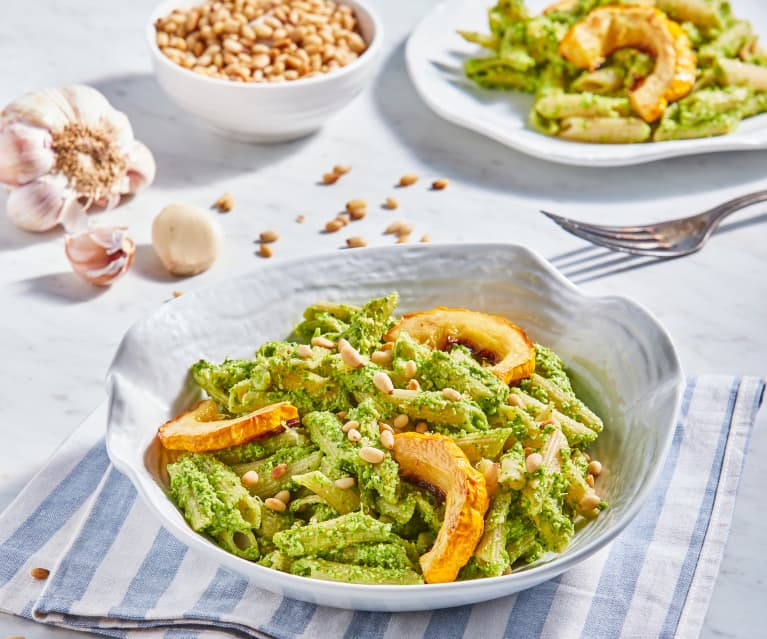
[
  {"x": 387, "y": 346},
  {"x": 265, "y": 250},
  {"x": 275, "y": 504},
  {"x": 250, "y": 479},
  {"x": 387, "y": 439},
  {"x": 391, "y": 203},
  {"x": 408, "y": 179},
  {"x": 322, "y": 342},
  {"x": 382, "y": 426},
  {"x": 354, "y": 435},
  {"x": 421, "y": 427},
  {"x": 595, "y": 468},
  {"x": 372, "y": 455},
  {"x": 383, "y": 382},
  {"x": 341, "y": 169},
  {"x": 352, "y": 423},
  {"x": 283, "y": 496},
  {"x": 393, "y": 228},
  {"x": 425, "y": 238},
  {"x": 345, "y": 482},
  {"x": 300, "y": 219},
  {"x": 267, "y": 237},
  {"x": 413, "y": 385},
  {"x": 177, "y": 293},
  {"x": 40, "y": 573},
  {"x": 533, "y": 462},
  {"x": 356, "y": 204},
  {"x": 405, "y": 228},
  {"x": 404, "y": 238},
  {"x": 330, "y": 178},
  {"x": 410, "y": 369},
  {"x": 590, "y": 480},
  {"x": 304, "y": 351},
  {"x": 440, "y": 184},
  {"x": 350, "y": 355},
  {"x": 589, "y": 502},
  {"x": 279, "y": 470},
  {"x": 382, "y": 358},
  {"x": 333, "y": 226},
  {"x": 356, "y": 241},
  {"x": 357, "y": 214},
  {"x": 225, "y": 203},
  {"x": 451, "y": 394},
  {"x": 400, "y": 421},
  {"x": 341, "y": 414}
]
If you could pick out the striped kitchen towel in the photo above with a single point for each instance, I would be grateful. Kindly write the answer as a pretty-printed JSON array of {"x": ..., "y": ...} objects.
[{"x": 115, "y": 571}]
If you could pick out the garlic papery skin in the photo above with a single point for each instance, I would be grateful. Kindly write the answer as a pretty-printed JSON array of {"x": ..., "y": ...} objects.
[
  {"x": 186, "y": 239},
  {"x": 100, "y": 255},
  {"x": 74, "y": 134},
  {"x": 25, "y": 154},
  {"x": 39, "y": 205}
]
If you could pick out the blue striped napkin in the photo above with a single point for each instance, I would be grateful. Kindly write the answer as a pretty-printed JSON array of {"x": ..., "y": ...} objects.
[{"x": 115, "y": 571}]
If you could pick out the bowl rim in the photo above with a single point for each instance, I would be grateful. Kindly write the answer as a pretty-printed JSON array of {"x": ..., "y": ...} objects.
[
  {"x": 365, "y": 59},
  {"x": 561, "y": 562}
]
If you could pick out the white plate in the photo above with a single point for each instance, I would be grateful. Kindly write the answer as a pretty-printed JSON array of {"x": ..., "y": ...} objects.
[
  {"x": 435, "y": 55},
  {"x": 622, "y": 360}
]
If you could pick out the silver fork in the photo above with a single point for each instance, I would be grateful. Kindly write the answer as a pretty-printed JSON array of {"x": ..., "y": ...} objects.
[{"x": 673, "y": 238}]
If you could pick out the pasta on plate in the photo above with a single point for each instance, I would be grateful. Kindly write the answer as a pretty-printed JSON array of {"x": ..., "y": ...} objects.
[{"x": 625, "y": 71}]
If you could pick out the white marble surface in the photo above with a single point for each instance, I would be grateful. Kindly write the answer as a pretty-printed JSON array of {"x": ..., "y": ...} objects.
[{"x": 57, "y": 335}]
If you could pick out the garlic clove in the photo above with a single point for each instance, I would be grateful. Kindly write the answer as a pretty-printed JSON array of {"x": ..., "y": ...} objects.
[
  {"x": 141, "y": 167},
  {"x": 186, "y": 239},
  {"x": 100, "y": 255},
  {"x": 38, "y": 205},
  {"x": 25, "y": 154},
  {"x": 92, "y": 109},
  {"x": 47, "y": 109}
]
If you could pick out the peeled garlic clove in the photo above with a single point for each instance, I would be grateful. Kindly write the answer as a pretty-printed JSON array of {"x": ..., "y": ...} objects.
[
  {"x": 186, "y": 239},
  {"x": 46, "y": 109},
  {"x": 25, "y": 154},
  {"x": 100, "y": 255},
  {"x": 37, "y": 206},
  {"x": 141, "y": 167}
]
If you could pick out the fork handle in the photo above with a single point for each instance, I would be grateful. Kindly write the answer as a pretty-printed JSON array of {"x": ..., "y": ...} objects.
[{"x": 718, "y": 213}]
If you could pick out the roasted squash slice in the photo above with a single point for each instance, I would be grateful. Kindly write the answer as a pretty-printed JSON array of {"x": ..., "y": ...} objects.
[
  {"x": 504, "y": 344},
  {"x": 605, "y": 29},
  {"x": 438, "y": 461},
  {"x": 204, "y": 428}
]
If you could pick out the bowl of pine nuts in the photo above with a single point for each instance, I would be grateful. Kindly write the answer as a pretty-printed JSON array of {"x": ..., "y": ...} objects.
[{"x": 264, "y": 70}]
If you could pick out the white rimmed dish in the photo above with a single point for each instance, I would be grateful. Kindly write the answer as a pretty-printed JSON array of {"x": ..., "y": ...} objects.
[
  {"x": 267, "y": 112},
  {"x": 435, "y": 55},
  {"x": 622, "y": 360}
]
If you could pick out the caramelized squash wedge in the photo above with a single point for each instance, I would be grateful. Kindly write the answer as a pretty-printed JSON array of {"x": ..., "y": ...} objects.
[
  {"x": 437, "y": 460},
  {"x": 491, "y": 337},
  {"x": 611, "y": 27},
  {"x": 204, "y": 428}
]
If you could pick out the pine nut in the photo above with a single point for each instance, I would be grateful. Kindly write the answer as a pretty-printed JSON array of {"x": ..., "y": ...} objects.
[
  {"x": 490, "y": 472},
  {"x": 595, "y": 468},
  {"x": 440, "y": 184},
  {"x": 356, "y": 204},
  {"x": 387, "y": 346},
  {"x": 403, "y": 239},
  {"x": 405, "y": 228},
  {"x": 225, "y": 203},
  {"x": 408, "y": 179},
  {"x": 356, "y": 241},
  {"x": 400, "y": 421},
  {"x": 330, "y": 178},
  {"x": 333, "y": 225},
  {"x": 590, "y": 480},
  {"x": 410, "y": 369},
  {"x": 354, "y": 435},
  {"x": 279, "y": 470},
  {"x": 177, "y": 293},
  {"x": 382, "y": 426},
  {"x": 351, "y": 356},
  {"x": 352, "y": 423},
  {"x": 533, "y": 462},
  {"x": 300, "y": 219},
  {"x": 393, "y": 228},
  {"x": 357, "y": 214},
  {"x": 387, "y": 439},
  {"x": 372, "y": 455},
  {"x": 341, "y": 169},
  {"x": 590, "y": 501},
  {"x": 322, "y": 342},
  {"x": 421, "y": 427},
  {"x": 425, "y": 238},
  {"x": 383, "y": 382},
  {"x": 345, "y": 482},
  {"x": 343, "y": 219},
  {"x": 283, "y": 496},
  {"x": 304, "y": 351},
  {"x": 391, "y": 203},
  {"x": 250, "y": 479},
  {"x": 265, "y": 250},
  {"x": 451, "y": 394},
  {"x": 267, "y": 237},
  {"x": 341, "y": 414},
  {"x": 275, "y": 504},
  {"x": 413, "y": 385},
  {"x": 382, "y": 358},
  {"x": 40, "y": 573}
]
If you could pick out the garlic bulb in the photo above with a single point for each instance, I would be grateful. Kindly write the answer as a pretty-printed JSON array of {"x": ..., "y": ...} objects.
[
  {"x": 186, "y": 239},
  {"x": 100, "y": 255},
  {"x": 69, "y": 151}
]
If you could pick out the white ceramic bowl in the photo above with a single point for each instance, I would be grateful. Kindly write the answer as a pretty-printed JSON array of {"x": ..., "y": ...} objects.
[
  {"x": 266, "y": 112},
  {"x": 622, "y": 360}
]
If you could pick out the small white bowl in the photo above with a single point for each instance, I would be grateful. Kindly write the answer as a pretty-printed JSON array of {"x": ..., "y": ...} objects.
[{"x": 265, "y": 112}]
